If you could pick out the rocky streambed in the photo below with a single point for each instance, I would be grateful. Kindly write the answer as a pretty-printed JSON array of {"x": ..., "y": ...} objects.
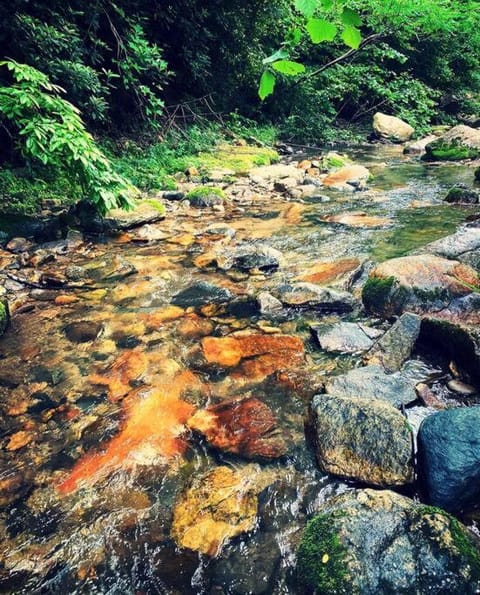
[{"x": 272, "y": 387}]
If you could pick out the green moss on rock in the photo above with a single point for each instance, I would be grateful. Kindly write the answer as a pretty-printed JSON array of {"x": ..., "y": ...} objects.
[
  {"x": 4, "y": 317},
  {"x": 449, "y": 151},
  {"x": 376, "y": 293},
  {"x": 206, "y": 196},
  {"x": 321, "y": 563},
  {"x": 157, "y": 205}
]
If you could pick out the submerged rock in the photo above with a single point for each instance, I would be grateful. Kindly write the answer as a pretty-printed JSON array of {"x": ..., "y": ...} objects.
[
  {"x": 392, "y": 128},
  {"x": 83, "y": 331},
  {"x": 309, "y": 295},
  {"x": 362, "y": 439},
  {"x": 246, "y": 427},
  {"x": 449, "y": 455},
  {"x": 421, "y": 284},
  {"x": 254, "y": 355},
  {"x": 369, "y": 542},
  {"x": 372, "y": 382},
  {"x": 327, "y": 272},
  {"x": 352, "y": 174},
  {"x": 217, "y": 507},
  {"x": 460, "y": 142},
  {"x": 397, "y": 343},
  {"x": 201, "y": 294}
]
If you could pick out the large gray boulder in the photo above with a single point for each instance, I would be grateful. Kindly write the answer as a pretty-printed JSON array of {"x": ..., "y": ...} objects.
[
  {"x": 449, "y": 454},
  {"x": 377, "y": 542},
  {"x": 361, "y": 439}
]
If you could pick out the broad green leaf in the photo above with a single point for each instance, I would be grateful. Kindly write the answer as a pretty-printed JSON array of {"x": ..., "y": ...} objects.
[
  {"x": 352, "y": 37},
  {"x": 320, "y": 30},
  {"x": 288, "y": 67},
  {"x": 350, "y": 17},
  {"x": 278, "y": 55},
  {"x": 267, "y": 84},
  {"x": 327, "y": 4},
  {"x": 306, "y": 7}
]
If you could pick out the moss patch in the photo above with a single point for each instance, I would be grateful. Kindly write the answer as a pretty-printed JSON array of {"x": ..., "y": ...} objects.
[
  {"x": 157, "y": 205},
  {"x": 376, "y": 294},
  {"x": 238, "y": 159},
  {"x": 4, "y": 317},
  {"x": 206, "y": 196},
  {"x": 322, "y": 558},
  {"x": 449, "y": 151}
]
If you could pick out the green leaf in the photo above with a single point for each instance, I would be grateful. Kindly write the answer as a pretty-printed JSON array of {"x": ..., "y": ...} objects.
[
  {"x": 288, "y": 67},
  {"x": 320, "y": 30},
  {"x": 267, "y": 84},
  {"x": 306, "y": 7},
  {"x": 327, "y": 4},
  {"x": 350, "y": 17},
  {"x": 352, "y": 37},
  {"x": 278, "y": 55}
]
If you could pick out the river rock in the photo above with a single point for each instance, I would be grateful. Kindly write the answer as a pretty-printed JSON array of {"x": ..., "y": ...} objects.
[
  {"x": 372, "y": 382},
  {"x": 391, "y": 128},
  {"x": 357, "y": 219},
  {"x": 418, "y": 147},
  {"x": 145, "y": 211},
  {"x": 459, "y": 342},
  {"x": 217, "y": 507},
  {"x": 463, "y": 245},
  {"x": 245, "y": 427},
  {"x": 461, "y": 194},
  {"x": 254, "y": 355},
  {"x": 175, "y": 195},
  {"x": 205, "y": 197},
  {"x": 83, "y": 331},
  {"x": 362, "y": 439},
  {"x": 277, "y": 171},
  {"x": 460, "y": 142},
  {"x": 327, "y": 272},
  {"x": 421, "y": 284},
  {"x": 200, "y": 294},
  {"x": 369, "y": 542},
  {"x": 4, "y": 315},
  {"x": 249, "y": 257},
  {"x": 268, "y": 304},
  {"x": 309, "y": 295},
  {"x": 449, "y": 455},
  {"x": 397, "y": 343},
  {"x": 351, "y": 174},
  {"x": 344, "y": 337}
]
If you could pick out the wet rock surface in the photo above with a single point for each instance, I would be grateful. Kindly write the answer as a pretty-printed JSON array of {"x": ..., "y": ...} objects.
[
  {"x": 367, "y": 541},
  {"x": 449, "y": 451},
  {"x": 391, "y": 128},
  {"x": 363, "y": 439}
]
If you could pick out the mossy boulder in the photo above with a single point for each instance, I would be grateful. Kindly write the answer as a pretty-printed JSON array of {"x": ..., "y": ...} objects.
[
  {"x": 4, "y": 316},
  {"x": 462, "y": 195},
  {"x": 368, "y": 542},
  {"x": 458, "y": 143},
  {"x": 362, "y": 439},
  {"x": 145, "y": 211},
  {"x": 449, "y": 456},
  {"x": 422, "y": 284},
  {"x": 206, "y": 196}
]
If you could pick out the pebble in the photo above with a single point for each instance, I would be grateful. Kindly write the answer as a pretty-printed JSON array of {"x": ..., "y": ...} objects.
[{"x": 461, "y": 388}]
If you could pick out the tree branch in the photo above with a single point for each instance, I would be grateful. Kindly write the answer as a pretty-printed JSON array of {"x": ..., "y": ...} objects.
[{"x": 367, "y": 41}]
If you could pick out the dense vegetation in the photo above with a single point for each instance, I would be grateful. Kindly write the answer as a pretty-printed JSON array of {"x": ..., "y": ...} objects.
[{"x": 128, "y": 65}]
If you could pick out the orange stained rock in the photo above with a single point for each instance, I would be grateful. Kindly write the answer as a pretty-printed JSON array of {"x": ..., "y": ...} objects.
[
  {"x": 154, "y": 423},
  {"x": 270, "y": 353},
  {"x": 65, "y": 300},
  {"x": 343, "y": 175},
  {"x": 325, "y": 272},
  {"x": 357, "y": 219},
  {"x": 293, "y": 213},
  {"x": 154, "y": 320},
  {"x": 131, "y": 365},
  {"x": 19, "y": 440}
]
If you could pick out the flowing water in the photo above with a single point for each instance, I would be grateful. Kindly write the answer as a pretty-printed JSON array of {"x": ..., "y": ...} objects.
[{"x": 95, "y": 452}]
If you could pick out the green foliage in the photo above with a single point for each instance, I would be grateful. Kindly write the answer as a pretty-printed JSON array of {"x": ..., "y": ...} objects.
[
  {"x": 51, "y": 131},
  {"x": 4, "y": 317},
  {"x": 322, "y": 557}
]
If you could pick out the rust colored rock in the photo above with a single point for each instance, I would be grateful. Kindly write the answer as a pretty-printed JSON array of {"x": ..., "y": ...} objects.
[
  {"x": 264, "y": 354},
  {"x": 245, "y": 427},
  {"x": 326, "y": 272},
  {"x": 130, "y": 366},
  {"x": 346, "y": 175}
]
